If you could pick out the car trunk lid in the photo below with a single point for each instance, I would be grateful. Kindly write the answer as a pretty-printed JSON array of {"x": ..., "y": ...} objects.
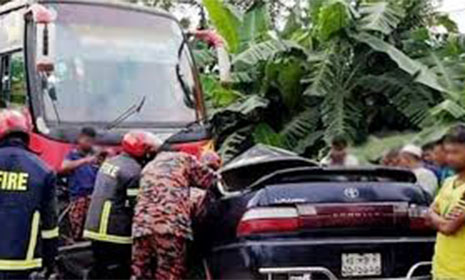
[{"x": 337, "y": 204}]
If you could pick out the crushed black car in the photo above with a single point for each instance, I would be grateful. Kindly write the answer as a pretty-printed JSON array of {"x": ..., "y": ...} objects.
[{"x": 294, "y": 220}]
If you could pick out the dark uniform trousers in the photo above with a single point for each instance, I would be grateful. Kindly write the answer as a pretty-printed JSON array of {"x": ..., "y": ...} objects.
[
  {"x": 112, "y": 261},
  {"x": 15, "y": 275}
]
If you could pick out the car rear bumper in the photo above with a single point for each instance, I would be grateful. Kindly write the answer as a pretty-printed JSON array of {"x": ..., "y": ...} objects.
[
  {"x": 254, "y": 258},
  {"x": 269, "y": 272}
]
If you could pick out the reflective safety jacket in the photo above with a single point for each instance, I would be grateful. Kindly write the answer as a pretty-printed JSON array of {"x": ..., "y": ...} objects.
[
  {"x": 28, "y": 211},
  {"x": 111, "y": 209}
]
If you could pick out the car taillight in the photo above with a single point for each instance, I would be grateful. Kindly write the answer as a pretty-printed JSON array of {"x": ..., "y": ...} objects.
[
  {"x": 319, "y": 216},
  {"x": 268, "y": 220},
  {"x": 418, "y": 218}
]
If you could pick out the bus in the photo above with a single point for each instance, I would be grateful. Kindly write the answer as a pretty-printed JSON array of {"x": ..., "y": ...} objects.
[{"x": 110, "y": 65}]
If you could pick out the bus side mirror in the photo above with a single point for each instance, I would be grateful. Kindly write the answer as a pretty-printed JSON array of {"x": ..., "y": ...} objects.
[{"x": 44, "y": 19}]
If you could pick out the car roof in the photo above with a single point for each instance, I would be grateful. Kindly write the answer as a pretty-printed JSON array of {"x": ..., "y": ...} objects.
[
  {"x": 258, "y": 161},
  {"x": 261, "y": 154}
]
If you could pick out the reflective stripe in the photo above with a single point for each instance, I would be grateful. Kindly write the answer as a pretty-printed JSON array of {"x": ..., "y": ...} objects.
[
  {"x": 49, "y": 234},
  {"x": 105, "y": 217},
  {"x": 102, "y": 235},
  {"x": 33, "y": 237},
  {"x": 132, "y": 192},
  {"x": 20, "y": 264},
  {"x": 29, "y": 262},
  {"x": 107, "y": 237}
]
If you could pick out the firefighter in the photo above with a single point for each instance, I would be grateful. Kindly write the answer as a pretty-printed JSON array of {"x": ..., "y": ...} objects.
[
  {"x": 162, "y": 219},
  {"x": 109, "y": 220},
  {"x": 28, "y": 207}
]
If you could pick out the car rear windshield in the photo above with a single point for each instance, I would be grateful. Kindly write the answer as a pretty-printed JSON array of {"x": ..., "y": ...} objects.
[{"x": 300, "y": 175}]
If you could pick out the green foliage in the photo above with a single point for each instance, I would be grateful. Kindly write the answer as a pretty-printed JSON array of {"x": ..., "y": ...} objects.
[
  {"x": 320, "y": 72},
  {"x": 18, "y": 80},
  {"x": 447, "y": 109},
  {"x": 414, "y": 68},
  {"x": 412, "y": 100},
  {"x": 380, "y": 16},
  {"x": 259, "y": 52},
  {"x": 355, "y": 68},
  {"x": 340, "y": 113},
  {"x": 301, "y": 129},
  {"x": 285, "y": 76},
  {"x": 248, "y": 106},
  {"x": 448, "y": 77},
  {"x": 444, "y": 20},
  {"x": 333, "y": 16},
  {"x": 314, "y": 9},
  {"x": 233, "y": 144},
  {"x": 203, "y": 57},
  {"x": 225, "y": 22},
  {"x": 216, "y": 94},
  {"x": 264, "y": 134},
  {"x": 256, "y": 24},
  {"x": 376, "y": 146}
]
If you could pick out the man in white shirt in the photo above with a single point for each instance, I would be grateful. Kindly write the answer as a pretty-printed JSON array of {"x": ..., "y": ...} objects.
[
  {"x": 339, "y": 156},
  {"x": 410, "y": 157}
]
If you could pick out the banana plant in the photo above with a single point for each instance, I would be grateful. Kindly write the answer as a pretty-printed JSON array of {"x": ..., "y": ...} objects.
[{"x": 337, "y": 67}]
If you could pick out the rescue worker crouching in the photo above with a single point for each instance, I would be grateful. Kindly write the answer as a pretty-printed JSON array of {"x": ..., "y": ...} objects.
[
  {"x": 162, "y": 223},
  {"x": 28, "y": 207},
  {"x": 108, "y": 223}
]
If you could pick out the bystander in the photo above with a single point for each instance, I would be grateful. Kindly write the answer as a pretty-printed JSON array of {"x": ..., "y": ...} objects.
[
  {"x": 391, "y": 158},
  {"x": 339, "y": 155},
  {"x": 440, "y": 160},
  {"x": 447, "y": 213},
  {"x": 80, "y": 168},
  {"x": 411, "y": 157}
]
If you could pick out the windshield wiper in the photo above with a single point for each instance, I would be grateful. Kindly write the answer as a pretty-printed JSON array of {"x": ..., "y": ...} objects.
[
  {"x": 189, "y": 127},
  {"x": 133, "y": 109}
]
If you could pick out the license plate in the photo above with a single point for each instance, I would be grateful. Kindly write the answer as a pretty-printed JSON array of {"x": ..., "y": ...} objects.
[
  {"x": 300, "y": 277},
  {"x": 361, "y": 265}
]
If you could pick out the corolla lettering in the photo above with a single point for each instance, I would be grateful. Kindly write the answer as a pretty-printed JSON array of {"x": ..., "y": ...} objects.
[{"x": 288, "y": 200}]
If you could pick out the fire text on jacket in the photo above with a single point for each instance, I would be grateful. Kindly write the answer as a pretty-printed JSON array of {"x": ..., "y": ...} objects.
[{"x": 13, "y": 181}]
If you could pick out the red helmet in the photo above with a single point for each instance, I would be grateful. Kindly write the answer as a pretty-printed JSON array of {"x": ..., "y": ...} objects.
[
  {"x": 211, "y": 159},
  {"x": 12, "y": 121},
  {"x": 138, "y": 143}
]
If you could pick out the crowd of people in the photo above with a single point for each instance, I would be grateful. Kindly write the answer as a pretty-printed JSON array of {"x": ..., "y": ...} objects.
[
  {"x": 439, "y": 168},
  {"x": 428, "y": 163},
  {"x": 135, "y": 207}
]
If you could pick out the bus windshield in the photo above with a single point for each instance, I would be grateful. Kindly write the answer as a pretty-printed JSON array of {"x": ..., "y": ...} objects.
[{"x": 107, "y": 59}]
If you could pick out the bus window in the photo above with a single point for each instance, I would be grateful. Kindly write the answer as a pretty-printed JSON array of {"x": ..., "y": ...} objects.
[
  {"x": 18, "y": 79},
  {"x": 13, "y": 82},
  {"x": 5, "y": 81}
]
